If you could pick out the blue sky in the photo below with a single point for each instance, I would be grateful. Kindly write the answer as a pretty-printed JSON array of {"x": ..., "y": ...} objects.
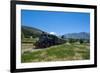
[{"x": 56, "y": 22}]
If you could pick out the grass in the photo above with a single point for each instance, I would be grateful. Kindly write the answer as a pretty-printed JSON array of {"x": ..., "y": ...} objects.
[{"x": 63, "y": 52}]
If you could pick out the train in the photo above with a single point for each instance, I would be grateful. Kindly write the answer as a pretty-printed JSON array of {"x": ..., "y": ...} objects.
[{"x": 47, "y": 40}]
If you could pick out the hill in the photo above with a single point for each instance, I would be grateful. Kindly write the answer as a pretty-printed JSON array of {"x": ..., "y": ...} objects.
[{"x": 27, "y": 31}]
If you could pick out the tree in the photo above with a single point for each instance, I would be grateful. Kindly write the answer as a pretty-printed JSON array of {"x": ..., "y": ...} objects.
[{"x": 81, "y": 41}]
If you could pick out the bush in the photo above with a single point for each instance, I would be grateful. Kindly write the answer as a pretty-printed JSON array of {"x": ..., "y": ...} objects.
[{"x": 81, "y": 41}]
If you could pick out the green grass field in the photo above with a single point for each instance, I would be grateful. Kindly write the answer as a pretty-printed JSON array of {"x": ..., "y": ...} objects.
[{"x": 63, "y": 52}]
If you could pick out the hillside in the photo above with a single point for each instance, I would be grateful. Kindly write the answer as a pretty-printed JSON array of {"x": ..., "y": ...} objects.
[
  {"x": 30, "y": 31},
  {"x": 63, "y": 52}
]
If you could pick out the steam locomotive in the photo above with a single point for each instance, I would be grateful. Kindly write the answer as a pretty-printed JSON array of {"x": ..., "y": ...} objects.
[{"x": 47, "y": 40}]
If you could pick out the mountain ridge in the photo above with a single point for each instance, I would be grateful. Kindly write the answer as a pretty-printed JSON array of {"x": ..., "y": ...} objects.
[
  {"x": 35, "y": 32},
  {"x": 80, "y": 35}
]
